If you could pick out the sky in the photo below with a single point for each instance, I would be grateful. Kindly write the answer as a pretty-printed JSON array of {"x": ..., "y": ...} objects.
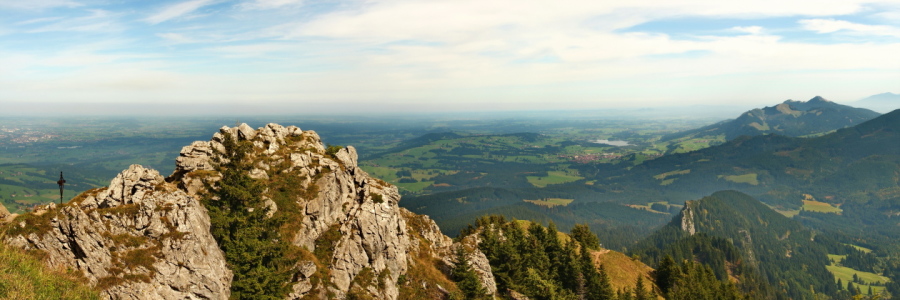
[{"x": 371, "y": 56}]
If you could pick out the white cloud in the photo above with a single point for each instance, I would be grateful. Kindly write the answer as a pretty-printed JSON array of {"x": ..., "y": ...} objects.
[
  {"x": 832, "y": 25},
  {"x": 270, "y": 4},
  {"x": 39, "y": 20},
  {"x": 38, "y": 4},
  {"x": 748, "y": 29},
  {"x": 176, "y": 38},
  {"x": 467, "y": 52},
  {"x": 177, "y": 10},
  {"x": 98, "y": 20}
]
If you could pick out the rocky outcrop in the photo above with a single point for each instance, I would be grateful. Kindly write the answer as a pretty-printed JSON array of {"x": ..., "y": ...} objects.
[
  {"x": 5, "y": 216},
  {"x": 148, "y": 237},
  {"x": 687, "y": 218},
  {"x": 140, "y": 238}
]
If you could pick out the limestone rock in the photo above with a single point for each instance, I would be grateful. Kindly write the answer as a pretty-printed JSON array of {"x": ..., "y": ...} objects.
[{"x": 134, "y": 240}]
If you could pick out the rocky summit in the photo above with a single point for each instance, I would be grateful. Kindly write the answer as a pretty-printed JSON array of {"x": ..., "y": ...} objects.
[{"x": 148, "y": 237}]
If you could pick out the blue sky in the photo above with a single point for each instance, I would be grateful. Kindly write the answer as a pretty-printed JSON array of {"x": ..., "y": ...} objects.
[{"x": 399, "y": 55}]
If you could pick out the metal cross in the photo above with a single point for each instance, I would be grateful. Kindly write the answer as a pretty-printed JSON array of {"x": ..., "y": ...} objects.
[{"x": 61, "y": 183}]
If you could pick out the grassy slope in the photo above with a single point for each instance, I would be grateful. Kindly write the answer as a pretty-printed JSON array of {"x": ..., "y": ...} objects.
[
  {"x": 622, "y": 270},
  {"x": 24, "y": 277}
]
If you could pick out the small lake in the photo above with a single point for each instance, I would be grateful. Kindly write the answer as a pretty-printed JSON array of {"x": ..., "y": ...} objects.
[{"x": 612, "y": 143}]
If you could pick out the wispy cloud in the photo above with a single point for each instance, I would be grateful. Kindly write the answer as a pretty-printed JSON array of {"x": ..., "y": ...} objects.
[
  {"x": 269, "y": 4},
  {"x": 832, "y": 25},
  {"x": 37, "y": 4},
  {"x": 748, "y": 29},
  {"x": 97, "y": 21},
  {"x": 176, "y": 38},
  {"x": 177, "y": 10}
]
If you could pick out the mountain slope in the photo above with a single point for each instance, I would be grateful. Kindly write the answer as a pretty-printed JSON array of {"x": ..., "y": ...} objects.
[
  {"x": 884, "y": 102},
  {"x": 856, "y": 164},
  {"x": 790, "y": 118},
  {"x": 740, "y": 237}
]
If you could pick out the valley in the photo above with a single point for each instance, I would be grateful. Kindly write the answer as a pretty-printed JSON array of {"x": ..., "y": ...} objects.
[{"x": 769, "y": 215}]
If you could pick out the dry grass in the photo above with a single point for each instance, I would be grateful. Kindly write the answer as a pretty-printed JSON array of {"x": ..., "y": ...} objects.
[
  {"x": 822, "y": 207},
  {"x": 622, "y": 270},
  {"x": 25, "y": 277}
]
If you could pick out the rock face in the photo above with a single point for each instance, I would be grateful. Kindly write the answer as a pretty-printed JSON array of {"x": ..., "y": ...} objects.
[
  {"x": 146, "y": 237},
  {"x": 137, "y": 239},
  {"x": 687, "y": 218}
]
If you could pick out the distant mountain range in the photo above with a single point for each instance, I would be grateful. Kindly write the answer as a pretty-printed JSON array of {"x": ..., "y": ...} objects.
[
  {"x": 883, "y": 103},
  {"x": 790, "y": 118},
  {"x": 852, "y": 164}
]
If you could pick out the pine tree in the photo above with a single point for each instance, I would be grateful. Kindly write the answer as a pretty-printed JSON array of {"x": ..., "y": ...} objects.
[
  {"x": 465, "y": 277},
  {"x": 582, "y": 233},
  {"x": 639, "y": 292},
  {"x": 251, "y": 242},
  {"x": 666, "y": 273}
]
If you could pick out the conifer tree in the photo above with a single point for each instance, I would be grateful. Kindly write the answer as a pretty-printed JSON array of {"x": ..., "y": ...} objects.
[
  {"x": 639, "y": 292},
  {"x": 666, "y": 273},
  {"x": 250, "y": 240},
  {"x": 465, "y": 277}
]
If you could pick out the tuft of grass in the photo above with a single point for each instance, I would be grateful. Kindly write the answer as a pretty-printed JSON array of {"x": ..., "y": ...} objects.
[
  {"x": 25, "y": 277},
  {"x": 326, "y": 243}
]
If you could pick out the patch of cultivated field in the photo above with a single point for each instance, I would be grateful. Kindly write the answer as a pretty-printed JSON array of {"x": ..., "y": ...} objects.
[
  {"x": 551, "y": 202},
  {"x": 553, "y": 177},
  {"x": 846, "y": 275},
  {"x": 746, "y": 178},
  {"x": 822, "y": 207}
]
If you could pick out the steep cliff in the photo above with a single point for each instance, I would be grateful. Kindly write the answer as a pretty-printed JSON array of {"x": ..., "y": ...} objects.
[{"x": 148, "y": 237}]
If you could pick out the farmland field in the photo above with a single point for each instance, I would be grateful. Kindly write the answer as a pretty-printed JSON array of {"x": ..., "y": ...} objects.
[
  {"x": 551, "y": 202},
  {"x": 822, "y": 207},
  {"x": 553, "y": 177},
  {"x": 846, "y": 275}
]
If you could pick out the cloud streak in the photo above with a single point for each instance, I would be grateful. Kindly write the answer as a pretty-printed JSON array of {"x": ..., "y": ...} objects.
[
  {"x": 177, "y": 10},
  {"x": 832, "y": 25}
]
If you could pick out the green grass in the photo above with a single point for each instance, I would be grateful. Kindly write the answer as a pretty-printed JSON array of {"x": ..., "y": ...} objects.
[
  {"x": 860, "y": 248},
  {"x": 846, "y": 275},
  {"x": 554, "y": 177},
  {"x": 551, "y": 202},
  {"x": 822, "y": 207},
  {"x": 665, "y": 175},
  {"x": 836, "y": 258},
  {"x": 25, "y": 277},
  {"x": 787, "y": 213},
  {"x": 746, "y": 178}
]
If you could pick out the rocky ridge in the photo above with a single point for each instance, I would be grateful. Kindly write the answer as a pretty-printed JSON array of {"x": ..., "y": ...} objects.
[{"x": 161, "y": 224}]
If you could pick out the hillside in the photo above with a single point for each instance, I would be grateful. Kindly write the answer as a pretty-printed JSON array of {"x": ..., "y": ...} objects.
[
  {"x": 251, "y": 213},
  {"x": 790, "y": 118},
  {"x": 884, "y": 102},
  {"x": 741, "y": 238},
  {"x": 851, "y": 165}
]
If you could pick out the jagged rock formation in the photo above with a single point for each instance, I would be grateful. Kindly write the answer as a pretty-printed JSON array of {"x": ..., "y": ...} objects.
[
  {"x": 140, "y": 238},
  {"x": 358, "y": 240}
]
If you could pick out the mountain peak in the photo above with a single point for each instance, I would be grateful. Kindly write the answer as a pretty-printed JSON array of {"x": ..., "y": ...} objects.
[{"x": 818, "y": 99}]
